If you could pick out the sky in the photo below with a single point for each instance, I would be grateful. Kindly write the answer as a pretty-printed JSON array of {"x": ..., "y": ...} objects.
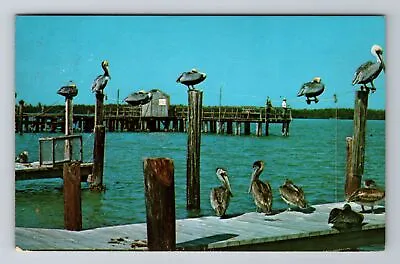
[{"x": 246, "y": 58}]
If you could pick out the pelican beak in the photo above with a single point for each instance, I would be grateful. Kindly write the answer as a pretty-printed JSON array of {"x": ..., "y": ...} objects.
[{"x": 253, "y": 176}]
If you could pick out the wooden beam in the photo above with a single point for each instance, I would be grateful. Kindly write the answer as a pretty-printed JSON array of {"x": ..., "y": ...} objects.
[
  {"x": 160, "y": 203},
  {"x": 72, "y": 196}
]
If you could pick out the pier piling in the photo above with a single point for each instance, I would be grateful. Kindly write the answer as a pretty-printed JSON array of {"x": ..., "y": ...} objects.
[
  {"x": 21, "y": 117},
  {"x": 72, "y": 196},
  {"x": 195, "y": 98},
  {"x": 98, "y": 149},
  {"x": 160, "y": 203},
  {"x": 352, "y": 183}
]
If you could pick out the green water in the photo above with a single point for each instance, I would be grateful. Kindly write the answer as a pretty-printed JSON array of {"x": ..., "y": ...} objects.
[{"x": 313, "y": 156}]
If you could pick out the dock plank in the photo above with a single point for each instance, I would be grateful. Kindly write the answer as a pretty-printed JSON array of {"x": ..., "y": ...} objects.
[{"x": 287, "y": 230}]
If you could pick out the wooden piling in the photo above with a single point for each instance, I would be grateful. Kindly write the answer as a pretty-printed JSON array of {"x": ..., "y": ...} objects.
[
  {"x": 358, "y": 148},
  {"x": 352, "y": 183},
  {"x": 258, "y": 129},
  {"x": 98, "y": 149},
  {"x": 195, "y": 98},
  {"x": 72, "y": 196},
  {"x": 247, "y": 128},
  {"x": 267, "y": 128},
  {"x": 160, "y": 203},
  {"x": 68, "y": 127},
  {"x": 21, "y": 117}
]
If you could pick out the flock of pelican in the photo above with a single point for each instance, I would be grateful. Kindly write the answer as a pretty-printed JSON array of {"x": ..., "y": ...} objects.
[{"x": 293, "y": 195}]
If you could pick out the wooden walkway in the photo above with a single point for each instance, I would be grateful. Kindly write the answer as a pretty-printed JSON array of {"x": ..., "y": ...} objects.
[
  {"x": 284, "y": 231},
  {"x": 34, "y": 171}
]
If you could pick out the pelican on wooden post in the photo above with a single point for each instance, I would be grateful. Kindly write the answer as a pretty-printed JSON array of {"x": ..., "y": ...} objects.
[
  {"x": 261, "y": 191},
  {"x": 369, "y": 195},
  {"x": 312, "y": 90},
  {"x": 220, "y": 196},
  {"x": 292, "y": 194},
  {"x": 369, "y": 71},
  {"x": 101, "y": 81},
  {"x": 191, "y": 78}
]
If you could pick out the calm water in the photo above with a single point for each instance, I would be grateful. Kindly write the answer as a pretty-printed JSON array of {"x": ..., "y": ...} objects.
[{"x": 313, "y": 156}]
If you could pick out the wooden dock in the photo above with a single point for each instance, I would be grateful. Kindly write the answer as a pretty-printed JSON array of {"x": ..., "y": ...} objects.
[
  {"x": 284, "y": 231},
  {"x": 34, "y": 171}
]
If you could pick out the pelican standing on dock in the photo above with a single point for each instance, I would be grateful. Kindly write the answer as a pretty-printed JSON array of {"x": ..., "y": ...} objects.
[
  {"x": 345, "y": 218},
  {"x": 261, "y": 191},
  {"x": 220, "y": 196},
  {"x": 292, "y": 194},
  {"x": 191, "y": 78},
  {"x": 369, "y": 70},
  {"x": 101, "y": 81},
  {"x": 312, "y": 89},
  {"x": 369, "y": 195}
]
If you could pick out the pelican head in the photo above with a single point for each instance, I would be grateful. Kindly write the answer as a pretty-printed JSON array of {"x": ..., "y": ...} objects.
[
  {"x": 316, "y": 79},
  {"x": 194, "y": 70},
  {"x": 223, "y": 177},
  {"x": 377, "y": 51},
  {"x": 258, "y": 167},
  {"x": 104, "y": 65},
  {"x": 369, "y": 183}
]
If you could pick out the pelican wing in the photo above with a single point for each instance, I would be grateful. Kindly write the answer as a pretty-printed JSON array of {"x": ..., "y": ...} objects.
[
  {"x": 100, "y": 83},
  {"x": 262, "y": 193},
  {"x": 367, "y": 195},
  {"x": 311, "y": 89},
  {"x": 364, "y": 73},
  {"x": 293, "y": 194},
  {"x": 191, "y": 78},
  {"x": 219, "y": 199}
]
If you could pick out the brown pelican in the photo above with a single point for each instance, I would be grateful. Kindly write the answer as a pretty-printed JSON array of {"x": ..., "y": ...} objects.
[
  {"x": 292, "y": 194},
  {"x": 312, "y": 89},
  {"x": 139, "y": 98},
  {"x": 262, "y": 192},
  {"x": 369, "y": 195},
  {"x": 68, "y": 91},
  {"x": 220, "y": 196},
  {"x": 369, "y": 70},
  {"x": 191, "y": 78},
  {"x": 22, "y": 157},
  {"x": 345, "y": 218},
  {"x": 101, "y": 81}
]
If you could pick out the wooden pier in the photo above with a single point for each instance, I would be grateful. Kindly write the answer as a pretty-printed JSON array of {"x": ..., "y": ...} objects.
[
  {"x": 283, "y": 231},
  {"x": 220, "y": 120}
]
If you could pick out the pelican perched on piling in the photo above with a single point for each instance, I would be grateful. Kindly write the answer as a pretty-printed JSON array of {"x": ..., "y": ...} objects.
[
  {"x": 68, "y": 90},
  {"x": 22, "y": 157},
  {"x": 369, "y": 195},
  {"x": 191, "y": 78},
  {"x": 345, "y": 218},
  {"x": 369, "y": 70},
  {"x": 292, "y": 194},
  {"x": 220, "y": 196},
  {"x": 139, "y": 98},
  {"x": 101, "y": 81},
  {"x": 312, "y": 89},
  {"x": 261, "y": 191}
]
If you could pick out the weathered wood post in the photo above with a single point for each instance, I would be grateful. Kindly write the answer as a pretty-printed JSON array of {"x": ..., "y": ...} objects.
[
  {"x": 72, "y": 196},
  {"x": 160, "y": 203},
  {"x": 358, "y": 146},
  {"x": 351, "y": 182},
  {"x": 21, "y": 117},
  {"x": 68, "y": 126},
  {"x": 193, "y": 150},
  {"x": 98, "y": 149}
]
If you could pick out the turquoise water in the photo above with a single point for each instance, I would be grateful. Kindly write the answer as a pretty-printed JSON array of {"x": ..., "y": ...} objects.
[{"x": 313, "y": 156}]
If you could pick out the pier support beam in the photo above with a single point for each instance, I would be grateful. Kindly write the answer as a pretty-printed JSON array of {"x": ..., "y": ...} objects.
[
  {"x": 72, "y": 196},
  {"x": 195, "y": 98},
  {"x": 98, "y": 149},
  {"x": 247, "y": 128},
  {"x": 259, "y": 129},
  {"x": 358, "y": 148},
  {"x": 20, "y": 124},
  {"x": 160, "y": 203},
  {"x": 267, "y": 128}
]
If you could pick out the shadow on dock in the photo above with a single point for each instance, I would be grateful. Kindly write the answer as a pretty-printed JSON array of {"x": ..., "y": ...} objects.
[
  {"x": 308, "y": 210},
  {"x": 201, "y": 243}
]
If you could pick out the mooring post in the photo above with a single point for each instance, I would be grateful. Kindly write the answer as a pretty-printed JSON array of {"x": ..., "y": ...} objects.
[
  {"x": 72, "y": 196},
  {"x": 352, "y": 183},
  {"x": 358, "y": 148},
  {"x": 193, "y": 150},
  {"x": 160, "y": 203},
  {"x": 98, "y": 149},
  {"x": 68, "y": 126},
  {"x": 21, "y": 117}
]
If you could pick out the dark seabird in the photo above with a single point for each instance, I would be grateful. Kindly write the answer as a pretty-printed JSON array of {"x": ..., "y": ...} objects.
[
  {"x": 220, "y": 196},
  {"x": 191, "y": 78},
  {"x": 139, "y": 98},
  {"x": 369, "y": 71},
  {"x": 369, "y": 195},
  {"x": 292, "y": 194},
  {"x": 22, "y": 157},
  {"x": 345, "y": 218},
  {"x": 101, "y": 81},
  {"x": 69, "y": 90},
  {"x": 262, "y": 192},
  {"x": 312, "y": 89}
]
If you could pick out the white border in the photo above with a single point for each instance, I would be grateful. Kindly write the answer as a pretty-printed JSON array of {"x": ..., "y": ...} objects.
[{"x": 285, "y": 7}]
